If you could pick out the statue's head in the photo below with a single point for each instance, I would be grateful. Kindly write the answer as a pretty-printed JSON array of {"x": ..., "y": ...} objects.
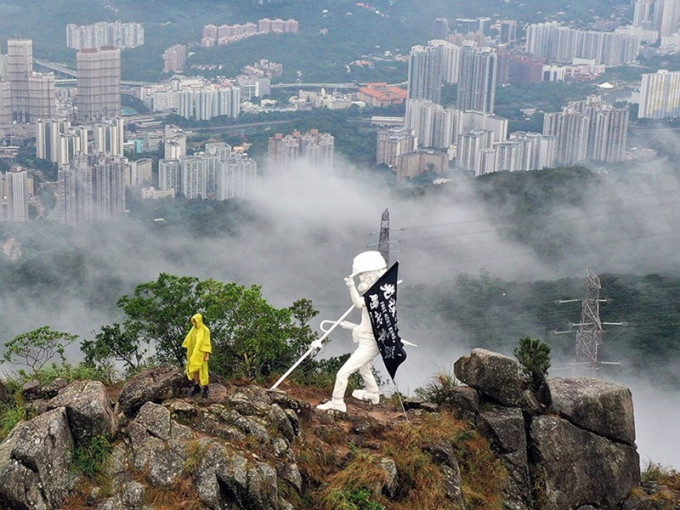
[{"x": 368, "y": 266}]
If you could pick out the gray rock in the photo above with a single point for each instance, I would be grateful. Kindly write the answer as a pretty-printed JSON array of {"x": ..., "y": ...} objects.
[
  {"x": 498, "y": 377},
  {"x": 89, "y": 410},
  {"x": 157, "y": 420},
  {"x": 603, "y": 407},
  {"x": 504, "y": 428},
  {"x": 35, "y": 461},
  {"x": 580, "y": 467},
  {"x": 5, "y": 397},
  {"x": 155, "y": 385},
  {"x": 280, "y": 420}
]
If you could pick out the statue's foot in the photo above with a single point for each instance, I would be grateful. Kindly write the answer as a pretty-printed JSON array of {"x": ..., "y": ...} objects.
[
  {"x": 335, "y": 405},
  {"x": 373, "y": 398}
]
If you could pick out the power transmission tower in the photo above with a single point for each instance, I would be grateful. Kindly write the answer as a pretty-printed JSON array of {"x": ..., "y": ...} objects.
[
  {"x": 589, "y": 332},
  {"x": 384, "y": 239}
]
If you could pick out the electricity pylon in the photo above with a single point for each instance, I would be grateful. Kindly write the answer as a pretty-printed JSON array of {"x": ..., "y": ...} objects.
[
  {"x": 589, "y": 332},
  {"x": 384, "y": 239}
]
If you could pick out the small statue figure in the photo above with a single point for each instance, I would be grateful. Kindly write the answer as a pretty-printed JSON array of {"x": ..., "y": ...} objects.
[{"x": 368, "y": 266}]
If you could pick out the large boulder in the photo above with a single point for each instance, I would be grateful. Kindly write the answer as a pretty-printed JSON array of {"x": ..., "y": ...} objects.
[
  {"x": 505, "y": 429},
  {"x": 35, "y": 461},
  {"x": 579, "y": 467},
  {"x": 88, "y": 409},
  {"x": 496, "y": 376},
  {"x": 603, "y": 407},
  {"x": 155, "y": 385},
  {"x": 226, "y": 479}
]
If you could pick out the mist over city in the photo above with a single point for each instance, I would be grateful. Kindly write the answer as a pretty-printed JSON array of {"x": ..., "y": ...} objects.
[{"x": 306, "y": 121}]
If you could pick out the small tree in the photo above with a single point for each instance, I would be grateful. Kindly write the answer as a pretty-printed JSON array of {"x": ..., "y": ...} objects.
[
  {"x": 38, "y": 347},
  {"x": 534, "y": 357}
]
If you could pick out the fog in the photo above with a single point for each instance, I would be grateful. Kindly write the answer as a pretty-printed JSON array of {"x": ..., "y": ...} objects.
[{"x": 317, "y": 222}]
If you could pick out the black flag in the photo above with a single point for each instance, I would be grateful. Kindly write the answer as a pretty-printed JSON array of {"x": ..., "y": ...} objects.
[{"x": 381, "y": 303}]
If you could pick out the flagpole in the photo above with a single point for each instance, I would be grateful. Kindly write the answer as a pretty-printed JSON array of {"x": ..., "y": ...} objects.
[
  {"x": 401, "y": 403},
  {"x": 311, "y": 349}
]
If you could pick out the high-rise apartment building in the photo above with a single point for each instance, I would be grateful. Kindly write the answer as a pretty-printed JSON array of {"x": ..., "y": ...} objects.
[
  {"x": 109, "y": 136},
  {"x": 5, "y": 103},
  {"x": 392, "y": 143},
  {"x": 57, "y": 141},
  {"x": 558, "y": 43},
  {"x": 98, "y": 82},
  {"x": 99, "y": 35},
  {"x": 477, "y": 82},
  {"x": 216, "y": 173},
  {"x": 210, "y": 101},
  {"x": 175, "y": 58},
  {"x": 508, "y": 31},
  {"x": 91, "y": 188},
  {"x": 424, "y": 73},
  {"x": 607, "y": 129},
  {"x": 470, "y": 145},
  {"x": 440, "y": 28},
  {"x": 570, "y": 128},
  {"x": 660, "y": 95},
  {"x": 14, "y": 200},
  {"x": 32, "y": 95}
]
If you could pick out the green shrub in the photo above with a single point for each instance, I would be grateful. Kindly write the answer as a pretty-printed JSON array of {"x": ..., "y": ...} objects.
[
  {"x": 534, "y": 357},
  {"x": 92, "y": 458}
]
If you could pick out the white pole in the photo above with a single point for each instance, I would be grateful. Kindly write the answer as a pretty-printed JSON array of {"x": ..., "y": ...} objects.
[{"x": 311, "y": 349}]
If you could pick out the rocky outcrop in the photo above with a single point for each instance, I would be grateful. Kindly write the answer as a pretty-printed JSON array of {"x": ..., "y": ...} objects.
[
  {"x": 577, "y": 451},
  {"x": 236, "y": 449}
]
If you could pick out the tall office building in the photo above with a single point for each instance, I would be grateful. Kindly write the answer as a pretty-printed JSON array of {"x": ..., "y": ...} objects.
[
  {"x": 424, "y": 73},
  {"x": 91, "y": 188},
  {"x": 98, "y": 82},
  {"x": 660, "y": 95},
  {"x": 477, "y": 83}
]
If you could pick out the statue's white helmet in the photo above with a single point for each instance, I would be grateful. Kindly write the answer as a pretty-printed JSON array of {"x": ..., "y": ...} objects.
[{"x": 368, "y": 261}]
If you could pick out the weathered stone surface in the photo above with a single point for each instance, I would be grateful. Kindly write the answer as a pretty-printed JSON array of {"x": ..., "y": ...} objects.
[
  {"x": 154, "y": 385},
  {"x": 464, "y": 401},
  {"x": 157, "y": 421},
  {"x": 280, "y": 420},
  {"x": 227, "y": 480},
  {"x": 498, "y": 377},
  {"x": 603, "y": 407},
  {"x": 35, "y": 460},
  {"x": 504, "y": 427},
  {"x": 580, "y": 467},
  {"x": 88, "y": 409}
]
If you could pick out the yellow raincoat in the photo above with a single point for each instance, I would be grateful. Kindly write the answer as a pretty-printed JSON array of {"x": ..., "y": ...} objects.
[{"x": 197, "y": 344}]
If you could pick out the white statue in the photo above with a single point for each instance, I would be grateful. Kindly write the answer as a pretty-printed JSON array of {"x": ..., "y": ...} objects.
[{"x": 368, "y": 266}]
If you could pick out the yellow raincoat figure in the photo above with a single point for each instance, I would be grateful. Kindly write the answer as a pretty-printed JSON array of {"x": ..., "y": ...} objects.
[{"x": 197, "y": 344}]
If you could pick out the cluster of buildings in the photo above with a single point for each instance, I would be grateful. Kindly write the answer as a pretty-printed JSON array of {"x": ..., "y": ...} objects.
[
  {"x": 225, "y": 34},
  {"x": 115, "y": 34},
  {"x": 313, "y": 148},
  {"x": 470, "y": 135},
  {"x": 218, "y": 172}
]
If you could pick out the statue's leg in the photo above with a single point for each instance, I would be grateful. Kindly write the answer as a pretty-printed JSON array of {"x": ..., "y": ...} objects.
[{"x": 358, "y": 359}]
